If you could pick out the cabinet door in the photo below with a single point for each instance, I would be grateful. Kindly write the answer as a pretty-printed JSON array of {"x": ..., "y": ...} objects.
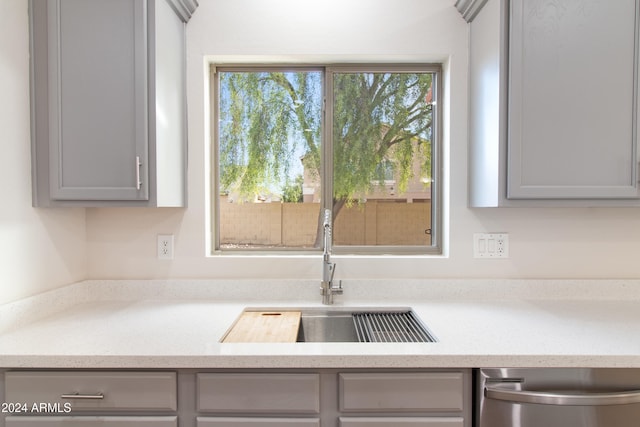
[
  {"x": 97, "y": 84},
  {"x": 46, "y": 421},
  {"x": 401, "y": 421},
  {"x": 257, "y": 422},
  {"x": 248, "y": 393},
  {"x": 94, "y": 391},
  {"x": 401, "y": 392},
  {"x": 572, "y": 99}
]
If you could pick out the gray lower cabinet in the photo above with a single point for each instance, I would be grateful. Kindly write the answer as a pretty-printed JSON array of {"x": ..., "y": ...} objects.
[
  {"x": 108, "y": 102},
  {"x": 259, "y": 393},
  {"x": 330, "y": 398},
  {"x": 237, "y": 398},
  {"x": 91, "y": 391},
  {"x": 553, "y": 107},
  {"x": 272, "y": 399},
  {"x": 90, "y": 398},
  {"x": 86, "y": 421},
  {"x": 257, "y": 422},
  {"x": 401, "y": 392},
  {"x": 411, "y": 399},
  {"x": 403, "y": 422}
]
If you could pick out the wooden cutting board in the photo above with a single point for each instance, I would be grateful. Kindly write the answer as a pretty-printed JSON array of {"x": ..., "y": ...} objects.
[{"x": 265, "y": 326}]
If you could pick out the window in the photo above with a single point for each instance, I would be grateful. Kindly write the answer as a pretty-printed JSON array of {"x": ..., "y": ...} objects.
[{"x": 292, "y": 141}]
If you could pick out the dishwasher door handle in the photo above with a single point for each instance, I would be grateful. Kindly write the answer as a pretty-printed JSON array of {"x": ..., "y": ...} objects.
[{"x": 563, "y": 398}]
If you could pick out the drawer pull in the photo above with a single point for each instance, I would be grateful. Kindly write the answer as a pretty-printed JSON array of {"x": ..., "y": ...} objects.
[
  {"x": 97, "y": 396},
  {"x": 138, "y": 180}
]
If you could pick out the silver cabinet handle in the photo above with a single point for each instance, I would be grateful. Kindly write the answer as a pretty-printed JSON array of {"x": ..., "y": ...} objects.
[
  {"x": 97, "y": 396},
  {"x": 138, "y": 164},
  {"x": 564, "y": 399}
]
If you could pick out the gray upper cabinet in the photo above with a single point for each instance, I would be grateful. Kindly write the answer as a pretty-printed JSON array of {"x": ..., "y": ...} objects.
[
  {"x": 571, "y": 99},
  {"x": 98, "y": 121},
  {"x": 553, "y": 103},
  {"x": 108, "y": 102}
]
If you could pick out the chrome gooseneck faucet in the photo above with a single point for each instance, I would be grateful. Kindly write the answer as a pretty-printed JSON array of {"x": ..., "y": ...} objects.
[{"x": 327, "y": 290}]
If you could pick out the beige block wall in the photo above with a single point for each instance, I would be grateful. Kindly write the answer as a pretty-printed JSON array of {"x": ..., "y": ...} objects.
[
  {"x": 403, "y": 223},
  {"x": 296, "y": 224},
  {"x": 300, "y": 224},
  {"x": 251, "y": 223}
]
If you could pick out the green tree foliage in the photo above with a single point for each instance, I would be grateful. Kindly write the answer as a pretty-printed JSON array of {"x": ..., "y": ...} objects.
[
  {"x": 292, "y": 191},
  {"x": 264, "y": 117},
  {"x": 378, "y": 119}
]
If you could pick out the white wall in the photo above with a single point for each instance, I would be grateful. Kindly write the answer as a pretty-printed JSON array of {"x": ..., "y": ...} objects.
[
  {"x": 545, "y": 243},
  {"x": 40, "y": 249}
]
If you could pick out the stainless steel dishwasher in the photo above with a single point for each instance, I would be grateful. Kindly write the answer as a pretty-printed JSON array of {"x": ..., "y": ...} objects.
[{"x": 558, "y": 397}]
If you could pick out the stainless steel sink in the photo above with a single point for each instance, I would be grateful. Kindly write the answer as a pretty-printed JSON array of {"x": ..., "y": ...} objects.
[
  {"x": 343, "y": 324},
  {"x": 326, "y": 326}
]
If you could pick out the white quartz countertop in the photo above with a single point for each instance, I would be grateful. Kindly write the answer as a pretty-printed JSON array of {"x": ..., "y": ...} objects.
[{"x": 156, "y": 324}]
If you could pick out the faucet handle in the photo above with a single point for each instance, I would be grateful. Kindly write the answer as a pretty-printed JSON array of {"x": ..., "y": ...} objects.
[
  {"x": 339, "y": 289},
  {"x": 332, "y": 267}
]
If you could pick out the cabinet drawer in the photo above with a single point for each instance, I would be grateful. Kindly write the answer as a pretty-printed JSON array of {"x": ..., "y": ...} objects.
[
  {"x": 94, "y": 390},
  {"x": 404, "y": 422},
  {"x": 92, "y": 421},
  {"x": 424, "y": 391},
  {"x": 257, "y": 422},
  {"x": 259, "y": 393}
]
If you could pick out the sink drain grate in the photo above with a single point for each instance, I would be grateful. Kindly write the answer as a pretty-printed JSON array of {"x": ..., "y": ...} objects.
[{"x": 390, "y": 327}]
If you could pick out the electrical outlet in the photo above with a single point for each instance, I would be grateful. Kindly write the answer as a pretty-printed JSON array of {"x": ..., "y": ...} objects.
[
  {"x": 491, "y": 245},
  {"x": 165, "y": 246}
]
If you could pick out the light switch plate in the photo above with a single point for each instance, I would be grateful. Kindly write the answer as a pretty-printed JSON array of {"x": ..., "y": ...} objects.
[{"x": 491, "y": 245}]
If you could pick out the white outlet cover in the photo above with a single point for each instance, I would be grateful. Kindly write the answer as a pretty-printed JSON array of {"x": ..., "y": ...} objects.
[{"x": 165, "y": 246}]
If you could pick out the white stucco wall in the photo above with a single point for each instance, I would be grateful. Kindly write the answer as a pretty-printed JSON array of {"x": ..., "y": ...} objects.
[
  {"x": 579, "y": 242},
  {"x": 47, "y": 248},
  {"x": 40, "y": 249}
]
